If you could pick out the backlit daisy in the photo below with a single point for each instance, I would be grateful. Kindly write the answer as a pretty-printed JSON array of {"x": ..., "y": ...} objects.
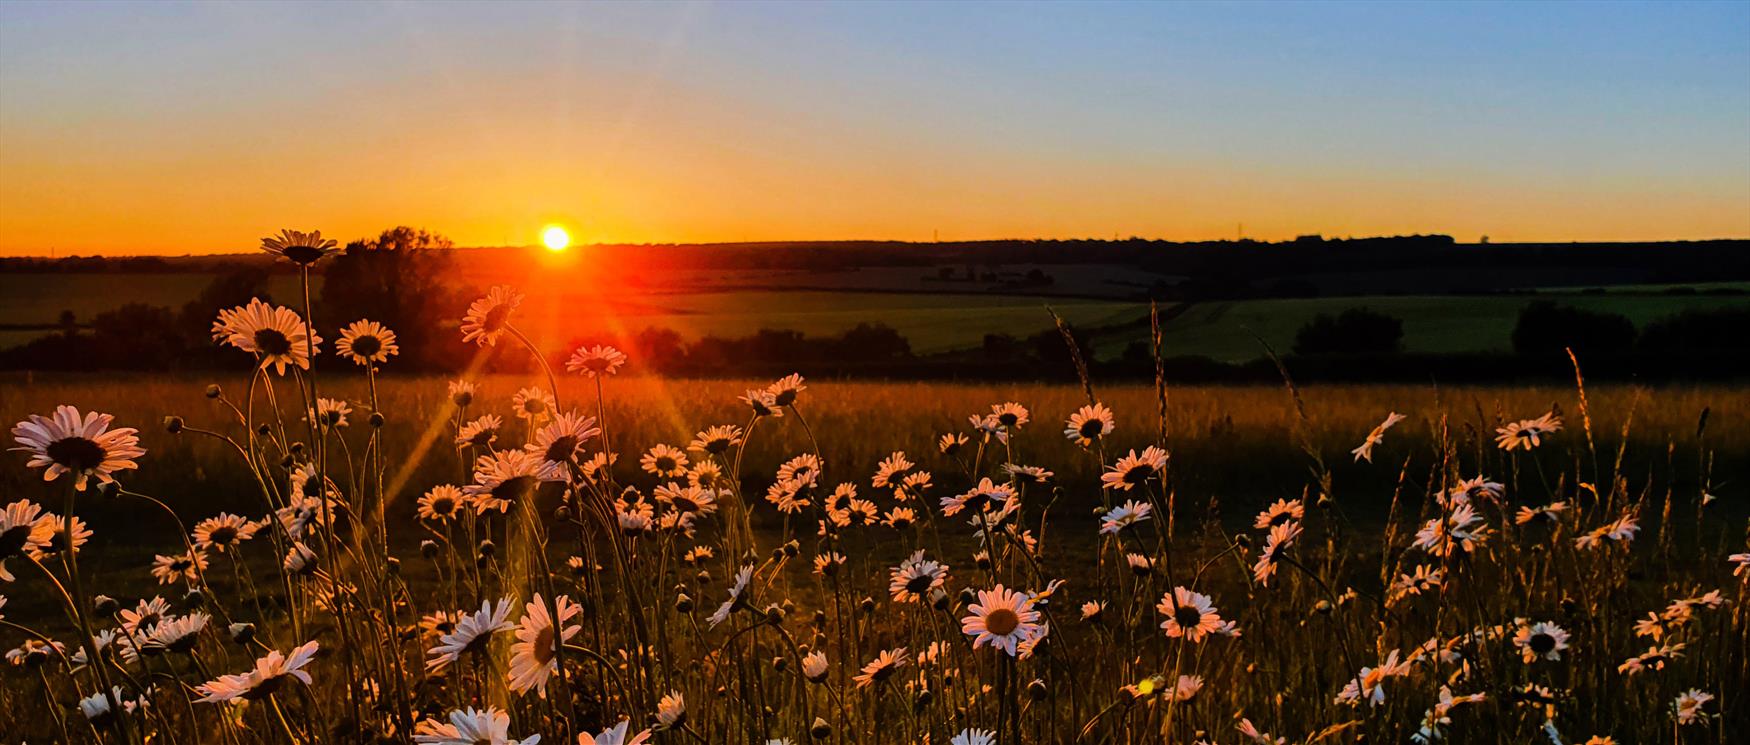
[
  {"x": 1541, "y": 641},
  {"x": 1547, "y": 513},
  {"x": 560, "y": 443},
  {"x": 671, "y": 711},
  {"x": 952, "y": 443},
  {"x": 1369, "y": 686},
  {"x": 737, "y": 596},
  {"x": 533, "y": 657},
  {"x": 183, "y": 567},
  {"x": 473, "y": 633},
  {"x": 504, "y": 478},
  {"x": 1688, "y": 706},
  {"x": 980, "y": 499},
  {"x": 1282, "y": 511},
  {"x": 1190, "y": 615},
  {"x": 664, "y": 461},
  {"x": 1001, "y": 618},
  {"x": 1377, "y": 436},
  {"x": 882, "y": 667},
  {"x": 330, "y": 413},
  {"x": 470, "y": 726},
  {"x": 1275, "y": 547},
  {"x": 533, "y": 404},
  {"x": 1010, "y": 415},
  {"x": 461, "y": 393},
  {"x": 786, "y": 389},
  {"x": 762, "y": 403},
  {"x": 615, "y": 735},
  {"x": 595, "y": 361},
  {"x": 444, "y": 502},
  {"x": 480, "y": 433},
  {"x": 140, "y": 618},
  {"x": 276, "y": 335},
  {"x": 84, "y": 447},
  {"x": 366, "y": 342},
  {"x": 974, "y": 737},
  {"x": 222, "y": 532},
  {"x": 299, "y": 247},
  {"x": 1527, "y": 433},
  {"x": 488, "y": 317},
  {"x": 23, "y": 532},
  {"x": 1089, "y": 424},
  {"x": 814, "y": 666},
  {"x": 891, "y": 470},
  {"x": 175, "y": 634},
  {"x": 914, "y": 578},
  {"x": 1124, "y": 516},
  {"x": 716, "y": 440},
  {"x": 1019, "y": 474}
]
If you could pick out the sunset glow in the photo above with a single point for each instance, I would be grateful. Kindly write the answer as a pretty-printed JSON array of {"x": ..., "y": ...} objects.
[{"x": 555, "y": 238}]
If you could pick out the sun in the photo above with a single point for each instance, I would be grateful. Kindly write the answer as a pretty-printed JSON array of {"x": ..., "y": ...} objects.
[{"x": 555, "y": 238}]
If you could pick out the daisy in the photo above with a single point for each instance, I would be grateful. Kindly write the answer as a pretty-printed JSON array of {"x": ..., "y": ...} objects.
[
  {"x": 143, "y": 616},
  {"x": 1010, "y": 415},
  {"x": 488, "y": 317},
  {"x": 1019, "y": 474},
  {"x": 914, "y": 578},
  {"x": 1458, "y": 533},
  {"x": 1377, "y": 436},
  {"x": 1527, "y": 433},
  {"x": 1190, "y": 615},
  {"x": 687, "y": 500},
  {"x": 1139, "y": 564},
  {"x": 1089, "y": 424},
  {"x": 737, "y": 599},
  {"x": 671, "y": 711},
  {"x": 979, "y": 499},
  {"x": 900, "y": 518},
  {"x": 596, "y": 361},
  {"x": 1002, "y": 618},
  {"x": 762, "y": 403},
  {"x": 270, "y": 672},
  {"x": 951, "y": 444},
  {"x": 1124, "y": 516},
  {"x": 1542, "y": 640},
  {"x": 185, "y": 567},
  {"x": 276, "y": 335},
  {"x": 503, "y": 478},
  {"x": 715, "y": 440},
  {"x": 84, "y": 447},
  {"x": 1655, "y": 658},
  {"x": 1547, "y": 513},
  {"x": 814, "y": 666},
  {"x": 891, "y": 470},
  {"x": 665, "y": 461},
  {"x": 480, "y": 433},
  {"x": 1251, "y": 732},
  {"x": 534, "y": 656},
  {"x": 470, "y": 726},
  {"x": 365, "y": 342},
  {"x": 1620, "y": 530},
  {"x": 802, "y": 467},
  {"x": 882, "y": 667},
  {"x": 828, "y": 564},
  {"x": 1473, "y": 489},
  {"x": 443, "y": 503},
  {"x": 96, "y": 707},
  {"x": 1688, "y": 706},
  {"x": 1134, "y": 470},
  {"x": 175, "y": 635},
  {"x": 1275, "y": 547},
  {"x": 533, "y": 404},
  {"x": 974, "y": 737},
  {"x": 1282, "y": 511},
  {"x": 298, "y": 247},
  {"x": 560, "y": 443},
  {"x": 1740, "y": 564},
  {"x": 473, "y": 633},
  {"x": 615, "y": 735},
  {"x": 461, "y": 393},
  {"x": 1187, "y": 688},
  {"x": 786, "y": 389},
  {"x": 1093, "y": 610},
  {"x": 23, "y": 532},
  {"x": 223, "y": 531},
  {"x": 1423, "y": 579},
  {"x": 1369, "y": 684}
]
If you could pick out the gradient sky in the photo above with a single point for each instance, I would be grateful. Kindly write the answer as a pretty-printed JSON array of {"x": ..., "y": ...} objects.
[{"x": 194, "y": 128}]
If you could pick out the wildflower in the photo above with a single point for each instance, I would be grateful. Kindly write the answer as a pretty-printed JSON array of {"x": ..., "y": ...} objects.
[
  {"x": 687, "y": 500},
  {"x": 269, "y": 674},
  {"x": 716, "y": 440},
  {"x": 533, "y": 404},
  {"x": 299, "y": 559},
  {"x": 223, "y": 531},
  {"x": 1190, "y": 615},
  {"x": 979, "y": 499},
  {"x": 971, "y": 736},
  {"x": 1527, "y": 433},
  {"x": 915, "y": 577},
  {"x": 1124, "y": 516},
  {"x": 615, "y": 735},
  {"x": 1282, "y": 511},
  {"x": 534, "y": 656},
  {"x": 1009, "y": 415},
  {"x": 786, "y": 389},
  {"x": 762, "y": 403},
  {"x": 1688, "y": 706},
  {"x": 96, "y": 707},
  {"x": 365, "y": 342},
  {"x": 1655, "y": 658},
  {"x": 1740, "y": 564},
  {"x": 1275, "y": 547},
  {"x": 1027, "y": 474},
  {"x": 488, "y": 317},
  {"x": 1377, "y": 436},
  {"x": 1620, "y": 530},
  {"x": 503, "y": 478},
  {"x": 1002, "y": 618},
  {"x": 560, "y": 443},
  {"x": 814, "y": 666},
  {"x": 1423, "y": 579},
  {"x": 1369, "y": 685},
  {"x": 882, "y": 667},
  {"x": 443, "y": 503},
  {"x": 737, "y": 596},
  {"x": 596, "y": 361},
  {"x": 1093, "y": 611},
  {"x": 23, "y": 532},
  {"x": 671, "y": 711},
  {"x": 140, "y": 618},
  {"x": 470, "y": 726},
  {"x": 1435, "y": 719},
  {"x": 664, "y": 461},
  {"x": 480, "y": 433},
  {"x": 276, "y": 335},
  {"x": 1139, "y": 564},
  {"x": 83, "y": 447},
  {"x": 900, "y": 518},
  {"x": 1134, "y": 470},
  {"x": 1458, "y": 533},
  {"x": 461, "y": 393},
  {"x": 472, "y": 634},
  {"x": 1542, "y": 640},
  {"x": 1251, "y": 732},
  {"x": 185, "y": 567},
  {"x": 890, "y": 471},
  {"x": 175, "y": 634},
  {"x": 1472, "y": 489},
  {"x": 1089, "y": 424},
  {"x": 298, "y": 247},
  {"x": 952, "y": 443},
  {"x": 1547, "y": 513}
]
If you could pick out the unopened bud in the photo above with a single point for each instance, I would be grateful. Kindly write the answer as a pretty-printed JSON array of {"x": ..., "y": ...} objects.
[
  {"x": 173, "y": 424},
  {"x": 213, "y": 390}
]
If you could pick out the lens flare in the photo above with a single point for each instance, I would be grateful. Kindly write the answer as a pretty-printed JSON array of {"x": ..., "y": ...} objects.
[{"x": 555, "y": 238}]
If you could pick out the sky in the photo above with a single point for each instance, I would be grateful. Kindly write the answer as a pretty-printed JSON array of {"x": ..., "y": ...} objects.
[{"x": 166, "y": 128}]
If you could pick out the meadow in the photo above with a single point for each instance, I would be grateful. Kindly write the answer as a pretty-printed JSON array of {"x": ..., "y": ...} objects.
[{"x": 598, "y": 556}]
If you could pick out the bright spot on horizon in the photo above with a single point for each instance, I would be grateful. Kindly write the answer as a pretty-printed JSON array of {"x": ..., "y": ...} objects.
[{"x": 555, "y": 238}]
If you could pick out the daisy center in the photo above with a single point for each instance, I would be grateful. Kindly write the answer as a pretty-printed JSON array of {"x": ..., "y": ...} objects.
[
  {"x": 222, "y": 535},
  {"x": 562, "y": 449},
  {"x": 13, "y": 539},
  {"x": 1187, "y": 616},
  {"x": 1542, "y": 643},
  {"x": 1091, "y": 428},
  {"x": 495, "y": 319},
  {"x": 272, "y": 342},
  {"x": 513, "y": 489},
  {"x": 1002, "y": 622},
  {"x": 77, "y": 453},
  {"x": 365, "y": 346}
]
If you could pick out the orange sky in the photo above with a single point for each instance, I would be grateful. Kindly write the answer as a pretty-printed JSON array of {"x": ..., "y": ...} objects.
[{"x": 196, "y": 129}]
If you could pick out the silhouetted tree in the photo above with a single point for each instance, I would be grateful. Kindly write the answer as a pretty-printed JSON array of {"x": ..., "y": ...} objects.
[
  {"x": 1716, "y": 335},
  {"x": 1545, "y": 329},
  {"x": 395, "y": 279},
  {"x": 1354, "y": 331},
  {"x": 872, "y": 343}
]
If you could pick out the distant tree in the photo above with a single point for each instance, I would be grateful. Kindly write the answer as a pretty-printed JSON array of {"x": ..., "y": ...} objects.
[
  {"x": 1545, "y": 329},
  {"x": 1715, "y": 334},
  {"x": 402, "y": 278},
  {"x": 872, "y": 343},
  {"x": 1001, "y": 348},
  {"x": 1354, "y": 331},
  {"x": 657, "y": 349},
  {"x": 137, "y": 336},
  {"x": 1053, "y": 352}
]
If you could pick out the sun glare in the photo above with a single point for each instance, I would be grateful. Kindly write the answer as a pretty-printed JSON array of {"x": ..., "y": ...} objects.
[{"x": 555, "y": 238}]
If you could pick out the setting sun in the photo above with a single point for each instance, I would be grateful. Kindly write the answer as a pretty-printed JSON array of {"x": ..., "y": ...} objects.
[{"x": 555, "y": 238}]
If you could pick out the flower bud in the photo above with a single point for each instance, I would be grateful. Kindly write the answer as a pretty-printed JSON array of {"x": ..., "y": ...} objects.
[
  {"x": 1037, "y": 691},
  {"x": 213, "y": 390},
  {"x": 106, "y": 605},
  {"x": 867, "y": 606},
  {"x": 683, "y": 603},
  {"x": 173, "y": 424},
  {"x": 774, "y": 615},
  {"x": 242, "y": 633},
  {"x": 1322, "y": 606},
  {"x": 792, "y": 548},
  {"x": 394, "y": 566},
  {"x": 428, "y": 548},
  {"x": 780, "y": 663},
  {"x": 820, "y": 730},
  {"x": 194, "y": 598},
  {"x": 487, "y": 548},
  {"x": 376, "y": 419},
  {"x": 263, "y": 430}
]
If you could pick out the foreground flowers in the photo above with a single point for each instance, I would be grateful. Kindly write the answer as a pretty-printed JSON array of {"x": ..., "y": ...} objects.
[
  {"x": 269, "y": 674},
  {"x": 82, "y": 447},
  {"x": 1002, "y": 618},
  {"x": 470, "y": 726}
]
